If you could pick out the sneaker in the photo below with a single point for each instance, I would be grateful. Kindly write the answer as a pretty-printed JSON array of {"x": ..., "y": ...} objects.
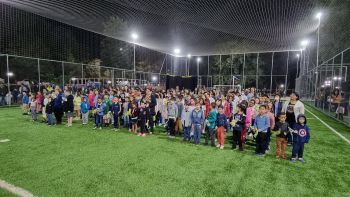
[
  {"x": 94, "y": 128},
  {"x": 293, "y": 160},
  {"x": 139, "y": 134},
  {"x": 221, "y": 147},
  {"x": 302, "y": 160},
  {"x": 218, "y": 146},
  {"x": 143, "y": 135},
  {"x": 100, "y": 128}
]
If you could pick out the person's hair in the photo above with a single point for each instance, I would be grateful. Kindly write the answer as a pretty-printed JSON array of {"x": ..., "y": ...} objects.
[
  {"x": 213, "y": 105},
  {"x": 221, "y": 107},
  {"x": 262, "y": 106},
  {"x": 282, "y": 114}
]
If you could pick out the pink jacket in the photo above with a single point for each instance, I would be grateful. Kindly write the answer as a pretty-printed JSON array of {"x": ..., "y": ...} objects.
[
  {"x": 249, "y": 116},
  {"x": 272, "y": 119}
]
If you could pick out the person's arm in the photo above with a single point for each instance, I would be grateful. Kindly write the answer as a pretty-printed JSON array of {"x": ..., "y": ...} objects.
[{"x": 307, "y": 134}]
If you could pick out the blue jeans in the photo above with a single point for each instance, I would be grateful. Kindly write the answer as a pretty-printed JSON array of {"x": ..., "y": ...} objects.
[
  {"x": 98, "y": 120},
  {"x": 2, "y": 100},
  {"x": 116, "y": 121},
  {"x": 32, "y": 110},
  {"x": 187, "y": 133},
  {"x": 49, "y": 119},
  {"x": 298, "y": 149},
  {"x": 126, "y": 121},
  {"x": 197, "y": 133}
]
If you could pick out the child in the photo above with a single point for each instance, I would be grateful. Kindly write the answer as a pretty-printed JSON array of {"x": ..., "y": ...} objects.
[
  {"x": 221, "y": 124},
  {"x": 172, "y": 115},
  {"x": 134, "y": 117},
  {"x": 100, "y": 108},
  {"x": 107, "y": 112},
  {"x": 33, "y": 107},
  {"x": 49, "y": 110},
  {"x": 69, "y": 107},
  {"x": 271, "y": 116},
  {"x": 116, "y": 109},
  {"x": 197, "y": 119},
  {"x": 126, "y": 112},
  {"x": 143, "y": 119},
  {"x": 261, "y": 123},
  {"x": 25, "y": 103},
  {"x": 39, "y": 100},
  {"x": 248, "y": 119},
  {"x": 238, "y": 127},
  {"x": 84, "y": 109},
  {"x": 282, "y": 130},
  {"x": 186, "y": 122},
  {"x": 211, "y": 124},
  {"x": 300, "y": 137}
]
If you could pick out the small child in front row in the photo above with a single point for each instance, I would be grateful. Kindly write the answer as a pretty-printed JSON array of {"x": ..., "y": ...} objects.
[
  {"x": 116, "y": 110},
  {"x": 49, "y": 110},
  {"x": 238, "y": 127},
  {"x": 186, "y": 123},
  {"x": 84, "y": 110},
  {"x": 261, "y": 123},
  {"x": 143, "y": 119},
  {"x": 282, "y": 130},
  {"x": 134, "y": 118},
  {"x": 300, "y": 137},
  {"x": 221, "y": 124},
  {"x": 33, "y": 106}
]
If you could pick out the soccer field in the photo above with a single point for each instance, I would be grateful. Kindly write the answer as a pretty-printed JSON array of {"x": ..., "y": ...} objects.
[{"x": 79, "y": 161}]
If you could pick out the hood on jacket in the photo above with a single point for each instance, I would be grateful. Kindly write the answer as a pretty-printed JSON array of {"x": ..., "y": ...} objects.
[{"x": 301, "y": 115}]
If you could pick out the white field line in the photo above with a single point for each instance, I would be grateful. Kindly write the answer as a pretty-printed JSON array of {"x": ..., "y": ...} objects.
[
  {"x": 15, "y": 190},
  {"x": 331, "y": 128}
]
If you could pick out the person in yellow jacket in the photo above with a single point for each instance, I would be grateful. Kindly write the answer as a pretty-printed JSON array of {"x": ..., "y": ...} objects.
[{"x": 77, "y": 103}]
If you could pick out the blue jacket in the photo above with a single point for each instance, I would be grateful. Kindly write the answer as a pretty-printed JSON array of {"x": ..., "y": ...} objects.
[
  {"x": 58, "y": 101},
  {"x": 100, "y": 109},
  {"x": 221, "y": 121},
  {"x": 25, "y": 99},
  {"x": 116, "y": 108},
  {"x": 240, "y": 118},
  {"x": 262, "y": 123},
  {"x": 85, "y": 106},
  {"x": 303, "y": 131},
  {"x": 277, "y": 109},
  {"x": 197, "y": 117}
]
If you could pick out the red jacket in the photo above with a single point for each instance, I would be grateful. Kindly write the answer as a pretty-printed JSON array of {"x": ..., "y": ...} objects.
[
  {"x": 227, "y": 109},
  {"x": 207, "y": 107}
]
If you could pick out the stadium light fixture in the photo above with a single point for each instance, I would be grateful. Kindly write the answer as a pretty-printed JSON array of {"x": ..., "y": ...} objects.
[
  {"x": 109, "y": 82},
  {"x": 282, "y": 86},
  {"x": 10, "y": 74},
  {"x": 322, "y": 86},
  {"x": 177, "y": 51},
  {"x": 319, "y": 15},
  {"x": 304, "y": 43},
  {"x": 154, "y": 78},
  {"x": 120, "y": 49},
  {"x": 199, "y": 59},
  {"x": 134, "y": 36},
  {"x": 189, "y": 55},
  {"x": 74, "y": 79},
  {"x": 298, "y": 55}
]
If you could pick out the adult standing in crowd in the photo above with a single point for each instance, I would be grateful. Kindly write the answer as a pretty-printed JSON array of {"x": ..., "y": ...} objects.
[
  {"x": 293, "y": 107},
  {"x": 57, "y": 107}
]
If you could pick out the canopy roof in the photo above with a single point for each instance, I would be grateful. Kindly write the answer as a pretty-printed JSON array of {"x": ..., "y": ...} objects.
[{"x": 199, "y": 27}]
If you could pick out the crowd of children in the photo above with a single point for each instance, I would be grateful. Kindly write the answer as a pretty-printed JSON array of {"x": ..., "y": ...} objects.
[{"x": 212, "y": 113}]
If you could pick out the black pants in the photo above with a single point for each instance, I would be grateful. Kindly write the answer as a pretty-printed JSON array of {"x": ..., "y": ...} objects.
[
  {"x": 298, "y": 148},
  {"x": 58, "y": 115},
  {"x": 151, "y": 122},
  {"x": 171, "y": 126},
  {"x": 116, "y": 121},
  {"x": 210, "y": 135},
  {"x": 261, "y": 142},
  {"x": 142, "y": 126},
  {"x": 237, "y": 140}
]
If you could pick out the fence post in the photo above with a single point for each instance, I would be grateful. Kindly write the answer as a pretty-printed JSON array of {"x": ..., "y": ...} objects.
[
  {"x": 8, "y": 77},
  {"x": 62, "y": 74},
  {"x": 39, "y": 74},
  {"x": 286, "y": 81},
  {"x": 257, "y": 71},
  {"x": 273, "y": 54}
]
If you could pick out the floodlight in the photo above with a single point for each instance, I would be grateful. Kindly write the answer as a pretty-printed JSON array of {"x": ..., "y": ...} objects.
[
  {"x": 199, "y": 59},
  {"x": 10, "y": 74},
  {"x": 134, "y": 36}
]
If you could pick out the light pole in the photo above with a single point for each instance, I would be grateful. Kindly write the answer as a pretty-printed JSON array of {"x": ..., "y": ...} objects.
[
  {"x": 318, "y": 16},
  {"x": 198, "y": 60},
  {"x": 134, "y": 37},
  {"x": 298, "y": 56}
]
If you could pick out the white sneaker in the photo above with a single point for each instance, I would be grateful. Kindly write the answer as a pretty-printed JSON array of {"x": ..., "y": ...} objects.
[
  {"x": 100, "y": 128},
  {"x": 94, "y": 128},
  {"x": 221, "y": 147},
  {"x": 218, "y": 146}
]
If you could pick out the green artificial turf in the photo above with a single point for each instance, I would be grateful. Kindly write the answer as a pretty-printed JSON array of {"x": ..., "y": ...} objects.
[
  {"x": 78, "y": 161},
  {"x": 4, "y": 193}
]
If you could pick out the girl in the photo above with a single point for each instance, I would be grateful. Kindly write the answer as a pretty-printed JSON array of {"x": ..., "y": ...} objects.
[
  {"x": 134, "y": 117},
  {"x": 239, "y": 121},
  {"x": 301, "y": 135},
  {"x": 39, "y": 100},
  {"x": 77, "y": 103},
  {"x": 69, "y": 107},
  {"x": 33, "y": 107},
  {"x": 84, "y": 109}
]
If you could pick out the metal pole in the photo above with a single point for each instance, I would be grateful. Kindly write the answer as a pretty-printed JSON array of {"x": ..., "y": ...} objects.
[
  {"x": 8, "y": 76},
  {"x": 317, "y": 60},
  {"x": 62, "y": 74},
  {"x": 257, "y": 71},
  {"x": 243, "y": 71},
  {"x": 285, "y": 83},
  {"x": 273, "y": 54},
  {"x": 341, "y": 68},
  {"x": 134, "y": 61},
  {"x": 82, "y": 72},
  {"x": 197, "y": 72},
  {"x": 39, "y": 73}
]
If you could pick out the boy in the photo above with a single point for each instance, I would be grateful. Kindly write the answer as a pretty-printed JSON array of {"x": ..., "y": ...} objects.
[
  {"x": 261, "y": 123},
  {"x": 126, "y": 112},
  {"x": 84, "y": 109},
  {"x": 301, "y": 135},
  {"x": 172, "y": 115},
  {"x": 116, "y": 109},
  {"x": 100, "y": 108},
  {"x": 197, "y": 119},
  {"x": 281, "y": 129},
  {"x": 25, "y": 103},
  {"x": 69, "y": 107},
  {"x": 49, "y": 110},
  {"x": 186, "y": 122},
  {"x": 107, "y": 115},
  {"x": 221, "y": 124},
  {"x": 32, "y": 106},
  {"x": 143, "y": 119},
  {"x": 211, "y": 124},
  {"x": 238, "y": 127}
]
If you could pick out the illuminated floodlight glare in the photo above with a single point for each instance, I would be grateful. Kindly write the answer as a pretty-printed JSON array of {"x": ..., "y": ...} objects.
[
  {"x": 199, "y": 59},
  {"x": 318, "y": 15},
  {"x": 10, "y": 74},
  {"x": 134, "y": 36},
  {"x": 282, "y": 86},
  {"x": 189, "y": 55},
  {"x": 120, "y": 49},
  {"x": 154, "y": 78},
  {"x": 74, "y": 79},
  {"x": 304, "y": 43},
  {"x": 322, "y": 86},
  {"x": 298, "y": 55},
  {"x": 177, "y": 50},
  {"x": 109, "y": 82}
]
